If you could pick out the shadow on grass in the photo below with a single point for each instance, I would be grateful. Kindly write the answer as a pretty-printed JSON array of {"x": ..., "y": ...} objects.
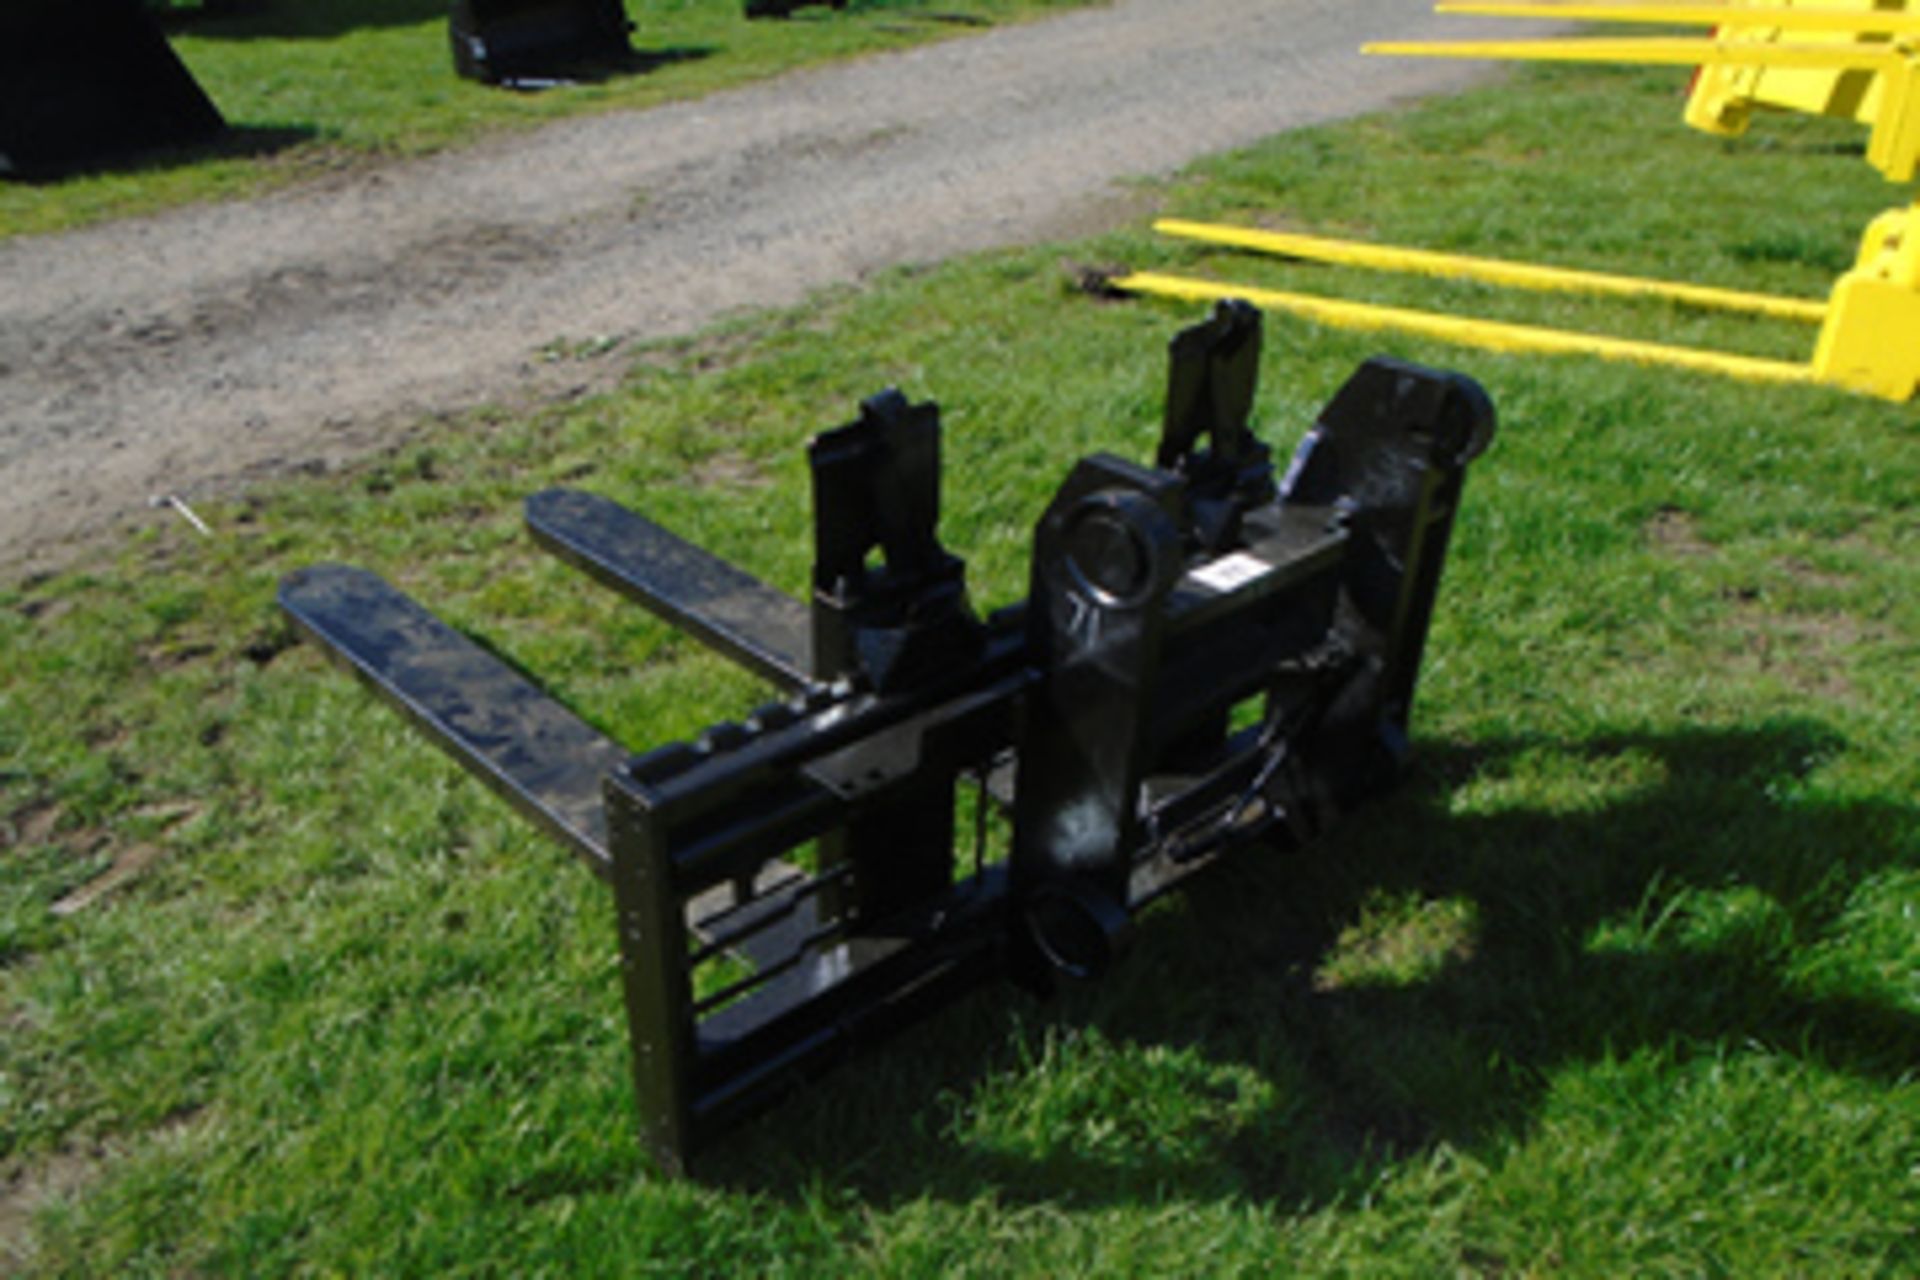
[
  {"x": 941, "y": 17},
  {"x": 293, "y": 19},
  {"x": 233, "y": 142},
  {"x": 638, "y": 62},
  {"x": 1291, "y": 1088}
]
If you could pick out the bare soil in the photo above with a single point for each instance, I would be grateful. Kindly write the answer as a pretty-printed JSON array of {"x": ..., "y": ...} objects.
[{"x": 191, "y": 352}]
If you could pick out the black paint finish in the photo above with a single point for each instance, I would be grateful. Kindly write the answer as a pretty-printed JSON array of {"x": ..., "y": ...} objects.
[{"x": 809, "y": 850}]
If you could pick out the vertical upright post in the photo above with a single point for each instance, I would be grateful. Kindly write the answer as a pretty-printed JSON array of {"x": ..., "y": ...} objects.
[
  {"x": 1106, "y": 554},
  {"x": 1390, "y": 450},
  {"x": 893, "y": 620},
  {"x": 653, "y": 970}
]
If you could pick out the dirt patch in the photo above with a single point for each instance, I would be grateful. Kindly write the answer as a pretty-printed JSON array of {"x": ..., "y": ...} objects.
[
  {"x": 172, "y": 656},
  {"x": 29, "y": 1186},
  {"x": 324, "y": 322},
  {"x": 1674, "y": 531},
  {"x": 727, "y": 470},
  {"x": 34, "y": 824},
  {"x": 1811, "y": 652},
  {"x": 29, "y": 1189},
  {"x": 44, "y": 610},
  {"x": 128, "y": 864},
  {"x": 1808, "y": 575},
  {"x": 268, "y": 643}
]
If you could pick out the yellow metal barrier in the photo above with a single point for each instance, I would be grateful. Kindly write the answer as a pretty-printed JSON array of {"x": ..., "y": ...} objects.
[
  {"x": 1869, "y": 327},
  {"x": 1893, "y": 147},
  {"x": 1723, "y": 97},
  {"x": 1852, "y": 57},
  {"x": 1871, "y": 338},
  {"x": 1855, "y": 18}
]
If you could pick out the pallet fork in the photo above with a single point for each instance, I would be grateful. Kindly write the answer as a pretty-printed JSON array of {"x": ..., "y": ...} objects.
[{"x": 1864, "y": 342}]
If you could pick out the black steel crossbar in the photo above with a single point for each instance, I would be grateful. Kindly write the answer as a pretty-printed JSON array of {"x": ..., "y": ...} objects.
[{"x": 1209, "y": 657}]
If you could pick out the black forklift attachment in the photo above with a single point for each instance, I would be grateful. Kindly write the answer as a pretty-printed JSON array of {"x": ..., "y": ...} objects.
[
  {"x": 522, "y": 42},
  {"x": 1208, "y": 658},
  {"x": 89, "y": 81}
]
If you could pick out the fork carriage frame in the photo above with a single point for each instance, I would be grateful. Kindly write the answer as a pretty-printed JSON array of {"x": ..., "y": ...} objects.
[{"x": 1098, "y": 713}]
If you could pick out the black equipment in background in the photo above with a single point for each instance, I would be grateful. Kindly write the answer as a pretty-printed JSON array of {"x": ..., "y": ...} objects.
[
  {"x": 508, "y": 41},
  {"x": 84, "y": 82}
]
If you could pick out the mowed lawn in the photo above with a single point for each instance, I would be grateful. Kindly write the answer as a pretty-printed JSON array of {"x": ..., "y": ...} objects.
[
  {"x": 1626, "y": 981},
  {"x": 319, "y": 89}
]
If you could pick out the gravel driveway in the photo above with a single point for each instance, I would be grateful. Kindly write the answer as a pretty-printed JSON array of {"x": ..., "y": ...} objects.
[{"x": 206, "y": 346}]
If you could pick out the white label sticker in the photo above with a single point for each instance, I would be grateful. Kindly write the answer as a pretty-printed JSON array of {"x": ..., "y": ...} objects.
[{"x": 1230, "y": 571}]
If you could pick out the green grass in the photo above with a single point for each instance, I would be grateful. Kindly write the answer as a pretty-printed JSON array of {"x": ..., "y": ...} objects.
[
  {"x": 314, "y": 88},
  {"x": 1625, "y": 982}
]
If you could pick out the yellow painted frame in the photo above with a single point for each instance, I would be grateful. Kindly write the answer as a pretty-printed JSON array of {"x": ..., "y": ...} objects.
[
  {"x": 1724, "y": 96},
  {"x": 1893, "y": 147}
]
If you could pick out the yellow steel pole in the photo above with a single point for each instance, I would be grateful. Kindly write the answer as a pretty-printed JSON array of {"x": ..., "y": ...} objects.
[
  {"x": 1518, "y": 275},
  {"x": 1489, "y": 334},
  {"x": 1842, "y": 21},
  {"x": 1893, "y": 147},
  {"x": 1658, "y": 50}
]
